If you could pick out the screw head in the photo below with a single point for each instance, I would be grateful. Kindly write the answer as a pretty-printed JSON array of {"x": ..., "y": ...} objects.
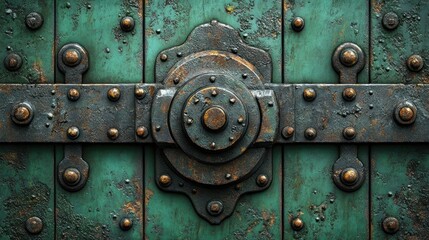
[
  {"x": 215, "y": 208},
  {"x": 140, "y": 93},
  {"x": 309, "y": 94},
  {"x": 73, "y": 94},
  {"x": 310, "y": 133},
  {"x": 126, "y": 224},
  {"x": 34, "y": 20},
  {"x": 415, "y": 63},
  {"x": 349, "y": 57},
  {"x": 164, "y": 180},
  {"x": 71, "y": 176},
  {"x": 114, "y": 94},
  {"x": 349, "y": 176},
  {"x": 349, "y": 133},
  {"x": 288, "y": 132},
  {"x": 12, "y": 62},
  {"x": 297, "y": 24},
  {"x": 142, "y": 132},
  {"x": 34, "y": 225},
  {"x": 113, "y": 133},
  {"x": 262, "y": 180},
  {"x": 405, "y": 113},
  {"x": 127, "y": 24},
  {"x": 73, "y": 132},
  {"x": 163, "y": 57},
  {"x": 390, "y": 21},
  {"x": 390, "y": 225},
  {"x": 22, "y": 114},
  {"x": 297, "y": 224},
  {"x": 349, "y": 94},
  {"x": 71, "y": 57}
]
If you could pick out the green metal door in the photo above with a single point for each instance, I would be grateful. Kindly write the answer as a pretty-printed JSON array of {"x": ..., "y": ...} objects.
[{"x": 89, "y": 87}]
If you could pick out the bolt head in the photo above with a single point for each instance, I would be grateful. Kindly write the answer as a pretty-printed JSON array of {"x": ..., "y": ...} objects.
[
  {"x": 34, "y": 20},
  {"x": 349, "y": 57},
  {"x": 349, "y": 176},
  {"x": 12, "y": 62},
  {"x": 163, "y": 57},
  {"x": 390, "y": 21},
  {"x": 415, "y": 63},
  {"x": 297, "y": 24},
  {"x": 349, "y": 133},
  {"x": 127, "y": 24},
  {"x": 73, "y": 94},
  {"x": 34, "y": 225},
  {"x": 142, "y": 132},
  {"x": 22, "y": 114},
  {"x": 72, "y": 57},
  {"x": 214, "y": 118},
  {"x": 406, "y": 114},
  {"x": 71, "y": 176},
  {"x": 164, "y": 180},
  {"x": 126, "y": 224},
  {"x": 73, "y": 132},
  {"x": 288, "y": 132},
  {"x": 215, "y": 208},
  {"x": 309, "y": 94},
  {"x": 297, "y": 224},
  {"x": 140, "y": 93},
  {"x": 113, "y": 133},
  {"x": 114, "y": 94},
  {"x": 310, "y": 133},
  {"x": 349, "y": 94},
  {"x": 262, "y": 180},
  {"x": 390, "y": 225}
]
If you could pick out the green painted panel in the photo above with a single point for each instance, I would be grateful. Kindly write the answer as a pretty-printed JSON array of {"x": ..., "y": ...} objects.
[
  {"x": 114, "y": 190},
  {"x": 399, "y": 189},
  {"x": 114, "y": 55},
  {"x": 307, "y": 54},
  {"x": 171, "y": 216},
  {"x": 36, "y": 47},
  {"x": 27, "y": 190},
  {"x": 310, "y": 193},
  {"x": 391, "y": 48}
]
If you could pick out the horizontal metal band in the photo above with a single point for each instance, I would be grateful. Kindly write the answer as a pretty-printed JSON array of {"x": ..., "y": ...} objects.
[{"x": 371, "y": 113}]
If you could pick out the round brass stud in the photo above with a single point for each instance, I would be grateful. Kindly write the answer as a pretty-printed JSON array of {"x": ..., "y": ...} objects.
[
  {"x": 73, "y": 94},
  {"x": 349, "y": 176},
  {"x": 215, "y": 208},
  {"x": 349, "y": 133},
  {"x": 126, "y": 224},
  {"x": 214, "y": 118},
  {"x": 113, "y": 133},
  {"x": 415, "y": 63},
  {"x": 288, "y": 132},
  {"x": 310, "y": 133},
  {"x": 140, "y": 93},
  {"x": 127, "y": 24},
  {"x": 349, "y": 94},
  {"x": 405, "y": 113},
  {"x": 22, "y": 114},
  {"x": 164, "y": 180},
  {"x": 114, "y": 94},
  {"x": 262, "y": 180},
  {"x": 349, "y": 57},
  {"x": 163, "y": 57},
  {"x": 142, "y": 132},
  {"x": 297, "y": 224},
  {"x": 34, "y": 225},
  {"x": 309, "y": 94},
  {"x": 73, "y": 132},
  {"x": 297, "y": 24},
  {"x": 71, "y": 57},
  {"x": 12, "y": 62},
  {"x": 71, "y": 176},
  {"x": 390, "y": 225}
]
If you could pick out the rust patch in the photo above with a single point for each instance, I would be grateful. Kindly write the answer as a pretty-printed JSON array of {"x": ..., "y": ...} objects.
[
  {"x": 286, "y": 6},
  {"x": 377, "y": 6},
  {"x": 147, "y": 196},
  {"x": 229, "y": 8},
  {"x": 14, "y": 159},
  {"x": 39, "y": 70}
]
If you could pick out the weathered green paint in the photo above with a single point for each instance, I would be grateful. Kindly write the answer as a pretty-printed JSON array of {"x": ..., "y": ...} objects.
[
  {"x": 391, "y": 48},
  {"x": 399, "y": 189},
  {"x": 171, "y": 216}
]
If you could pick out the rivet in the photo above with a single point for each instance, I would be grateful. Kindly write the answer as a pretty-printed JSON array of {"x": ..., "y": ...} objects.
[
  {"x": 310, "y": 133},
  {"x": 176, "y": 80},
  {"x": 142, "y": 132},
  {"x": 349, "y": 94},
  {"x": 127, "y": 24},
  {"x": 34, "y": 20},
  {"x": 406, "y": 114},
  {"x": 232, "y": 100},
  {"x": 228, "y": 176},
  {"x": 213, "y": 145},
  {"x": 194, "y": 191},
  {"x": 231, "y": 139},
  {"x": 390, "y": 225},
  {"x": 349, "y": 57},
  {"x": 164, "y": 180},
  {"x": 158, "y": 31},
  {"x": 270, "y": 103},
  {"x": 12, "y": 62},
  {"x": 390, "y": 20},
  {"x": 415, "y": 63},
  {"x": 214, "y": 93},
  {"x": 163, "y": 57},
  {"x": 73, "y": 94},
  {"x": 126, "y": 224},
  {"x": 140, "y": 93},
  {"x": 71, "y": 176},
  {"x": 113, "y": 133},
  {"x": 287, "y": 132},
  {"x": 196, "y": 100},
  {"x": 215, "y": 208},
  {"x": 189, "y": 121},
  {"x": 297, "y": 224},
  {"x": 244, "y": 75},
  {"x": 157, "y": 128},
  {"x": 73, "y": 132},
  {"x": 213, "y": 22},
  {"x": 262, "y": 180},
  {"x": 297, "y": 24},
  {"x": 34, "y": 225},
  {"x": 72, "y": 57},
  {"x": 114, "y": 94},
  {"x": 349, "y": 176},
  {"x": 349, "y": 133},
  {"x": 179, "y": 54},
  {"x": 240, "y": 119},
  {"x": 22, "y": 113},
  {"x": 212, "y": 79},
  {"x": 309, "y": 94},
  {"x": 234, "y": 50}
]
